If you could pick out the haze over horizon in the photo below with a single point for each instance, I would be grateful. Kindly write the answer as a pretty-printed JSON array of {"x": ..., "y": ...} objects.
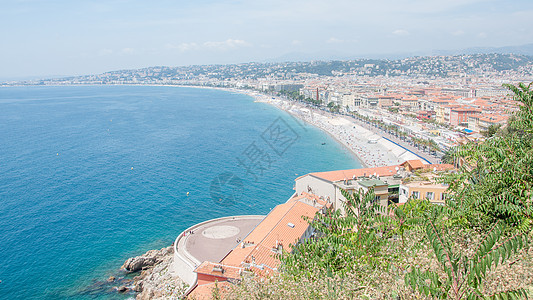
[{"x": 61, "y": 37}]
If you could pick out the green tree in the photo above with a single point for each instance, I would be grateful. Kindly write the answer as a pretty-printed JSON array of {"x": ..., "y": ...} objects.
[
  {"x": 215, "y": 292},
  {"x": 342, "y": 243},
  {"x": 449, "y": 156},
  {"x": 496, "y": 178},
  {"x": 408, "y": 216},
  {"x": 491, "y": 131},
  {"x": 333, "y": 107},
  {"x": 464, "y": 275}
]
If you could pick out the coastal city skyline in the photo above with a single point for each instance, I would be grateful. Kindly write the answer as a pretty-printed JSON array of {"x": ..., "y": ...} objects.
[
  {"x": 268, "y": 149},
  {"x": 64, "y": 38},
  {"x": 426, "y": 104}
]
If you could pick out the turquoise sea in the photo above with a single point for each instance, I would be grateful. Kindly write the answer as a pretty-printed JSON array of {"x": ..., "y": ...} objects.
[{"x": 91, "y": 175}]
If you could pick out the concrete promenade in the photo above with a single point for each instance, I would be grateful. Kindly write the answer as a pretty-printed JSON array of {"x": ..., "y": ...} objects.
[
  {"x": 424, "y": 155},
  {"x": 211, "y": 241}
]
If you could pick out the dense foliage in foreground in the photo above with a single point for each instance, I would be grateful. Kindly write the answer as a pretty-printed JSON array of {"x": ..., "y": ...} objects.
[{"x": 475, "y": 247}]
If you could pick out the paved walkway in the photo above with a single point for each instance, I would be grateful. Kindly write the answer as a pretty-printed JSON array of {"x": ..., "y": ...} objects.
[
  {"x": 428, "y": 157},
  {"x": 404, "y": 144},
  {"x": 213, "y": 240}
]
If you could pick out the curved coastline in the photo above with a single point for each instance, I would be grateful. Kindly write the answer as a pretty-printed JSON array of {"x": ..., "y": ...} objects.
[
  {"x": 343, "y": 130},
  {"x": 364, "y": 152},
  {"x": 391, "y": 152}
]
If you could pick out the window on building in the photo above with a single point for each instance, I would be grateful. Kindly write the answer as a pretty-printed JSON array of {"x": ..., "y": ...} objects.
[
  {"x": 415, "y": 195},
  {"x": 430, "y": 196},
  {"x": 444, "y": 196}
]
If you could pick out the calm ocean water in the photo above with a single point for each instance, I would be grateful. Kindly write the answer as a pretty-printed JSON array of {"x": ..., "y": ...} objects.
[{"x": 92, "y": 175}]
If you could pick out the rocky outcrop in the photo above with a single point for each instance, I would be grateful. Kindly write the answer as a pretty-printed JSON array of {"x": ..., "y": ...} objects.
[
  {"x": 146, "y": 260},
  {"x": 156, "y": 280}
]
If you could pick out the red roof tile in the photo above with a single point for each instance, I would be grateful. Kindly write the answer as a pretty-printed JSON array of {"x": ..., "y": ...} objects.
[
  {"x": 205, "y": 291},
  {"x": 282, "y": 227},
  {"x": 414, "y": 164},
  {"x": 219, "y": 270},
  {"x": 350, "y": 174}
]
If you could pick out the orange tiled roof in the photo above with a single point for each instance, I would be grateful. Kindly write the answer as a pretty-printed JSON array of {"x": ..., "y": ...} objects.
[
  {"x": 493, "y": 118},
  {"x": 284, "y": 225},
  {"x": 414, "y": 164},
  {"x": 310, "y": 197},
  {"x": 236, "y": 256},
  {"x": 349, "y": 174},
  {"x": 220, "y": 270},
  {"x": 205, "y": 291},
  {"x": 287, "y": 232}
]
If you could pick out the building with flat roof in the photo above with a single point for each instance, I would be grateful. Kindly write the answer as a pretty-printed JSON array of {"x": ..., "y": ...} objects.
[
  {"x": 328, "y": 185},
  {"x": 287, "y": 225},
  {"x": 459, "y": 116},
  {"x": 421, "y": 183}
]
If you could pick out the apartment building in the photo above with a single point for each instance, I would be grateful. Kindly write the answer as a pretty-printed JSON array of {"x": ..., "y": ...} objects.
[
  {"x": 328, "y": 185},
  {"x": 459, "y": 115}
]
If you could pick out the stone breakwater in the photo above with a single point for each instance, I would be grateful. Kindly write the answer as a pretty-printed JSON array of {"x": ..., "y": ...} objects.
[{"x": 156, "y": 280}]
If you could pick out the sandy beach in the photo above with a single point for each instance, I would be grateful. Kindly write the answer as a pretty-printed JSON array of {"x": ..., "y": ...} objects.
[{"x": 372, "y": 150}]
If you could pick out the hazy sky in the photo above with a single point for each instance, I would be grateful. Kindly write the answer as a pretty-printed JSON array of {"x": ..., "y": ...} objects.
[{"x": 70, "y": 37}]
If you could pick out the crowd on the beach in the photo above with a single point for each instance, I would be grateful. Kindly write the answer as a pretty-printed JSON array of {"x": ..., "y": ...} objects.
[
  {"x": 356, "y": 139},
  {"x": 351, "y": 136}
]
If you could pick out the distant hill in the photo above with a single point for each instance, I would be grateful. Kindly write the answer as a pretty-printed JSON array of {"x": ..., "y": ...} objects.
[
  {"x": 526, "y": 49},
  {"x": 413, "y": 66},
  {"x": 30, "y": 78}
]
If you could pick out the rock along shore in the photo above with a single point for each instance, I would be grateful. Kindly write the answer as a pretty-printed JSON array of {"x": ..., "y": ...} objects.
[{"x": 156, "y": 279}]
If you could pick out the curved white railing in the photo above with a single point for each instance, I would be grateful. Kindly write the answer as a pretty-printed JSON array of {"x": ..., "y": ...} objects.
[{"x": 185, "y": 263}]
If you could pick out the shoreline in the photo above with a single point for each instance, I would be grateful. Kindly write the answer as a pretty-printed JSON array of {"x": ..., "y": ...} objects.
[
  {"x": 352, "y": 136},
  {"x": 370, "y": 149},
  {"x": 262, "y": 98},
  {"x": 331, "y": 135},
  {"x": 159, "y": 278}
]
